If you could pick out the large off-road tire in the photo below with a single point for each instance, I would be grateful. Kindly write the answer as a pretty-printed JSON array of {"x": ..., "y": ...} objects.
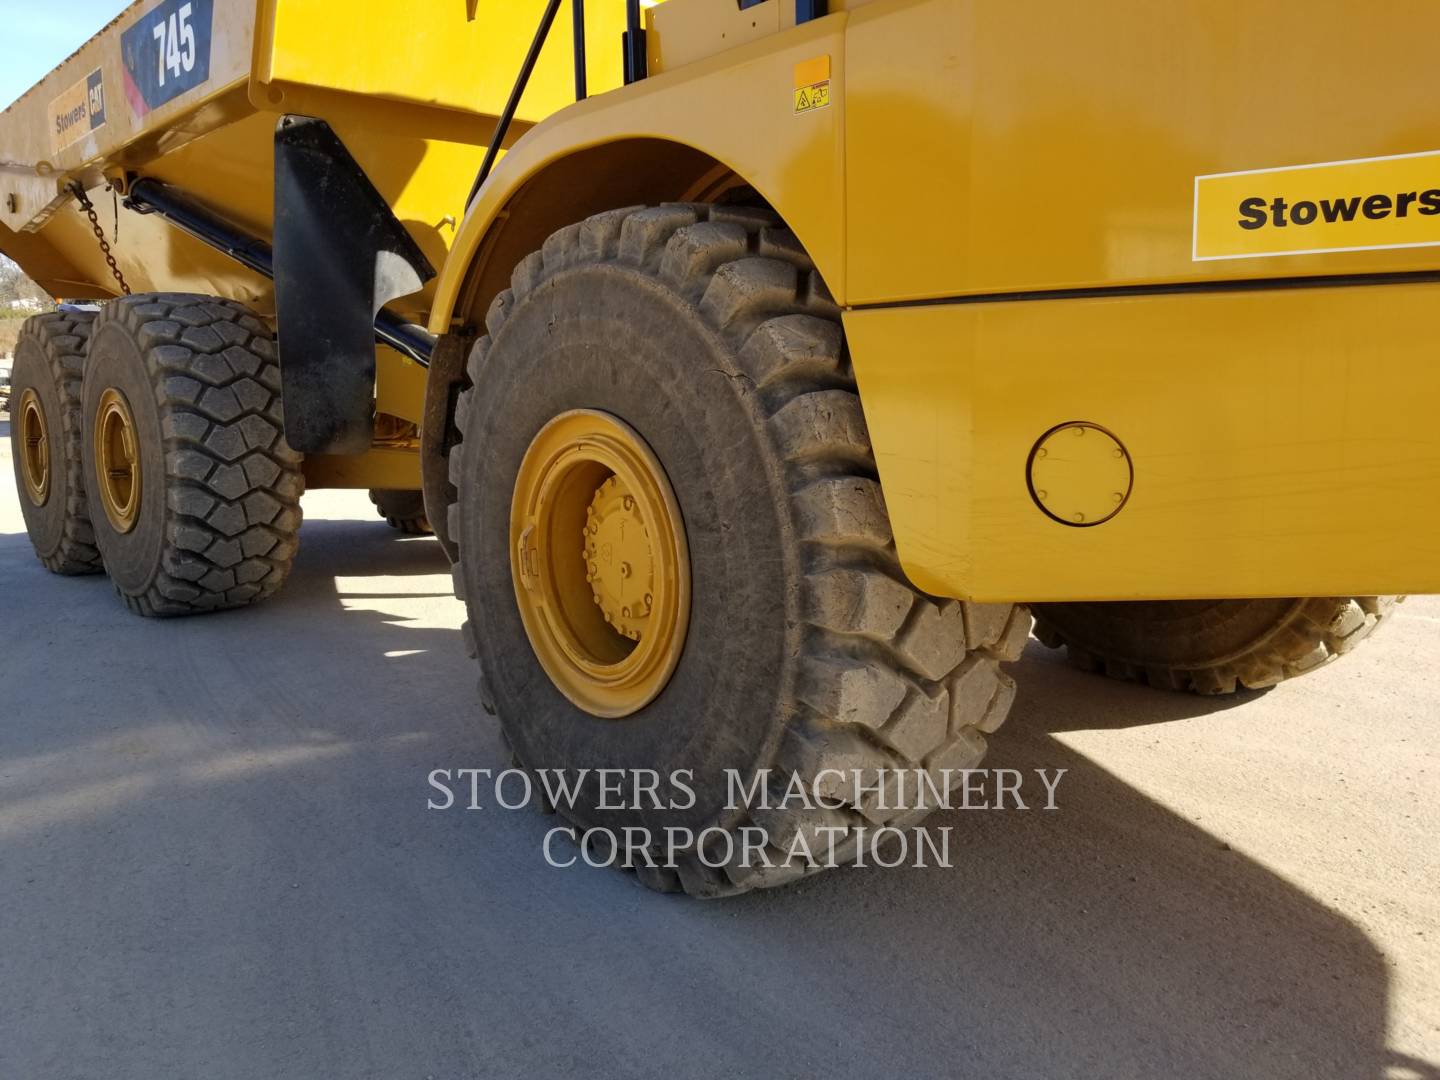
[
  {"x": 216, "y": 520},
  {"x": 45, "y": 440},
  {"x": 708, "y": 332},
  {"x": 403, "y": 510},
  {"x": 1210, "y": 646}
]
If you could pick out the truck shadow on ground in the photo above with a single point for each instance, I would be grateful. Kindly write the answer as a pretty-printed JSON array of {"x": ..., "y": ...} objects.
[{"x": 251, "y": 789}]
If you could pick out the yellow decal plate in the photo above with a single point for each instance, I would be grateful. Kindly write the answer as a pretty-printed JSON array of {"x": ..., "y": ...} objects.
[
  {"x": 1367, "y": 204},
  {"x": 77, "y": 112},
  {"x": 1364, "y": 205},
  {"x": 812, "y": 84}
]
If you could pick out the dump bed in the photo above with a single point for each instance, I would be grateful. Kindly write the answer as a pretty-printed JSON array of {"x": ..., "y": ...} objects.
[{"x": 188, "y": 92}]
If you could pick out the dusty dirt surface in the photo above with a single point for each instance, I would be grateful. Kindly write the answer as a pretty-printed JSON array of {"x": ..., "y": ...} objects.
[{"x": 216, "y": 861}]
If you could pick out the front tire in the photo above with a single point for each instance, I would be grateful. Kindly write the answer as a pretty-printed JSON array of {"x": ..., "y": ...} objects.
[
  {"x": 194, "y": 493},
  {"x": 707, "y": 332}
]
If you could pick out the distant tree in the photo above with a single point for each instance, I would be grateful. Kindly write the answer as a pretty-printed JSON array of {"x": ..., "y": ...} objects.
[{"x": 14, "y": 285}]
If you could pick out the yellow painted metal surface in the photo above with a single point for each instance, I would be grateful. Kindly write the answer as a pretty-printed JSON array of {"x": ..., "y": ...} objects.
[
  {"x": 454, "y": 54},
  {"x": 399, "y": 385},
  {"x": 413, "y": 92},
  {"x": 35, "y": 471},
  {"x": 1023, "y": 145},
  {"x": 118, "y": 479},
  {"x": 736, "y": 106},
  {"x": 1281, "y": 442},
  {"x": 1284, "y": 443},
  {"x": 382, "y": 468},
  {"x": 599, "y": 562}
]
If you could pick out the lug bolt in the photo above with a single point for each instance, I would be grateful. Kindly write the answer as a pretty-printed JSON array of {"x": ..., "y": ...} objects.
[{"x": 624, "y": 569}]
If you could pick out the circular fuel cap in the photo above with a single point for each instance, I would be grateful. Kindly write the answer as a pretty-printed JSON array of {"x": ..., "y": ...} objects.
[{"x": 1080, "y": 474}]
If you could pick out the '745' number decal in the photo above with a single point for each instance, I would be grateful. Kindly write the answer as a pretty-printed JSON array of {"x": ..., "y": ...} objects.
[
  {"x": 166, "y": 52},
  {"x": 176, "y": 50}
]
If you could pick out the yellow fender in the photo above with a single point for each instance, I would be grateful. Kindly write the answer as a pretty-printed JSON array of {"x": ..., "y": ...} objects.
[{"x": 690, "y": 134}]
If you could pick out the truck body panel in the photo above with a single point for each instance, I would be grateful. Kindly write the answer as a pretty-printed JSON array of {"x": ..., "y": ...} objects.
[{"x": 1032, "y": 214}]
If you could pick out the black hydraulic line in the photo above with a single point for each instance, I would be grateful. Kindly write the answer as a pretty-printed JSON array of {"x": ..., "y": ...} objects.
[
  {"x": 151, "y": 196},
  {"x": 404, "y": 337},
  {"x": 502, "y": 126},
  {"x": 154, "y": 197},
  {"x": 636, "y": 62},
  {"x": 577, "y": 10}
]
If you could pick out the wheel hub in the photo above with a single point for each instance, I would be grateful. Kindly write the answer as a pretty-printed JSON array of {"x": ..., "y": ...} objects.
[
  {"x": 620, "y": 565},
  {"x": 606, "y": 616},
  {"x": 117, "y": 460},
  {"x": 35, "y": 451}
]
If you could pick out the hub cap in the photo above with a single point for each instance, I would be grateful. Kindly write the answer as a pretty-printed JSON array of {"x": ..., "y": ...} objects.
[
  {"x": 35, "y": 448},
  {"x": 117, "y": 460},
  {"x": 599, "y": 561}
]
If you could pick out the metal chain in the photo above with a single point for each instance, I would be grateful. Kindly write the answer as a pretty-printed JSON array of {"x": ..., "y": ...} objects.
[{"x": 89, "y": 208}]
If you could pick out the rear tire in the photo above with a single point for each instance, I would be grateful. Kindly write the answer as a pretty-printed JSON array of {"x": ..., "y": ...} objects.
[
  {"x": 1210, "y": 646},
  {"x": 219, "y": 505},
  {"x": 403, "y": 510},
  {"x": 49, "y": 362},
  {"x": 707, "y": 331}
]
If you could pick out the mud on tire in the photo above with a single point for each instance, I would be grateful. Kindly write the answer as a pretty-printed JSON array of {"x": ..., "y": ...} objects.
[
  {"x": 220, "y": 507},
  {"x": 1210, "y": 646},
  {"x": 50, "y": 360},
  {"x": 708, "y": 330}
]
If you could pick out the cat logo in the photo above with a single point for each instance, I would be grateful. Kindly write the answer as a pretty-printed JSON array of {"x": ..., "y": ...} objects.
[{"x": 77, "y": 112}]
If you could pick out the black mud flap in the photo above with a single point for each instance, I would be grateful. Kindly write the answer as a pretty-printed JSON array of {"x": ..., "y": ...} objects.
[{"x": 340, "y": 255}]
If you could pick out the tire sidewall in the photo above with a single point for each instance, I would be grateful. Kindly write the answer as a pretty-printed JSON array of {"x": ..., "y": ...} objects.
[
  {"x": 116, "y": 360},
  {"x": 32, "y": 371},
  {"x": 1180, "y": 634},
  {"x": 611, "y": 338}
]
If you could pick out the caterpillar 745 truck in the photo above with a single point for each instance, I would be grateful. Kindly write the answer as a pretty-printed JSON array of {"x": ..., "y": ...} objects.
[{"x": 764, "y": 364}]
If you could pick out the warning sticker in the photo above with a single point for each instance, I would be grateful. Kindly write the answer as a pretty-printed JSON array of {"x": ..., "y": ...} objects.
[
  {"x": 812, "y": 84},
  {"x": 77, "y": 112},
  {"x": 1367, "y": 204}
]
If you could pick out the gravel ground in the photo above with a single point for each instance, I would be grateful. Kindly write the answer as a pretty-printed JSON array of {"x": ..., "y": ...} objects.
[{"x": 216, "y": 861}]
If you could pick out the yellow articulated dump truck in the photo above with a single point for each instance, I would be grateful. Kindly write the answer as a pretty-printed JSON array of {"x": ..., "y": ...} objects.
[{"x": 764, "y": 365}]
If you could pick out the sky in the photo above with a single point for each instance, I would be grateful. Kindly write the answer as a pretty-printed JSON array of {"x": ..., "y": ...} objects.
[{"x": 35, "y": 35}]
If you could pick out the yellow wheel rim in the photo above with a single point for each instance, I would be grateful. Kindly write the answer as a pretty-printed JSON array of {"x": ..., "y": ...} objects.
[
  {"x": 117, "y": 460},
  {"x": 599, "y": 561},
  {"x": 34, "y": 449}
]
